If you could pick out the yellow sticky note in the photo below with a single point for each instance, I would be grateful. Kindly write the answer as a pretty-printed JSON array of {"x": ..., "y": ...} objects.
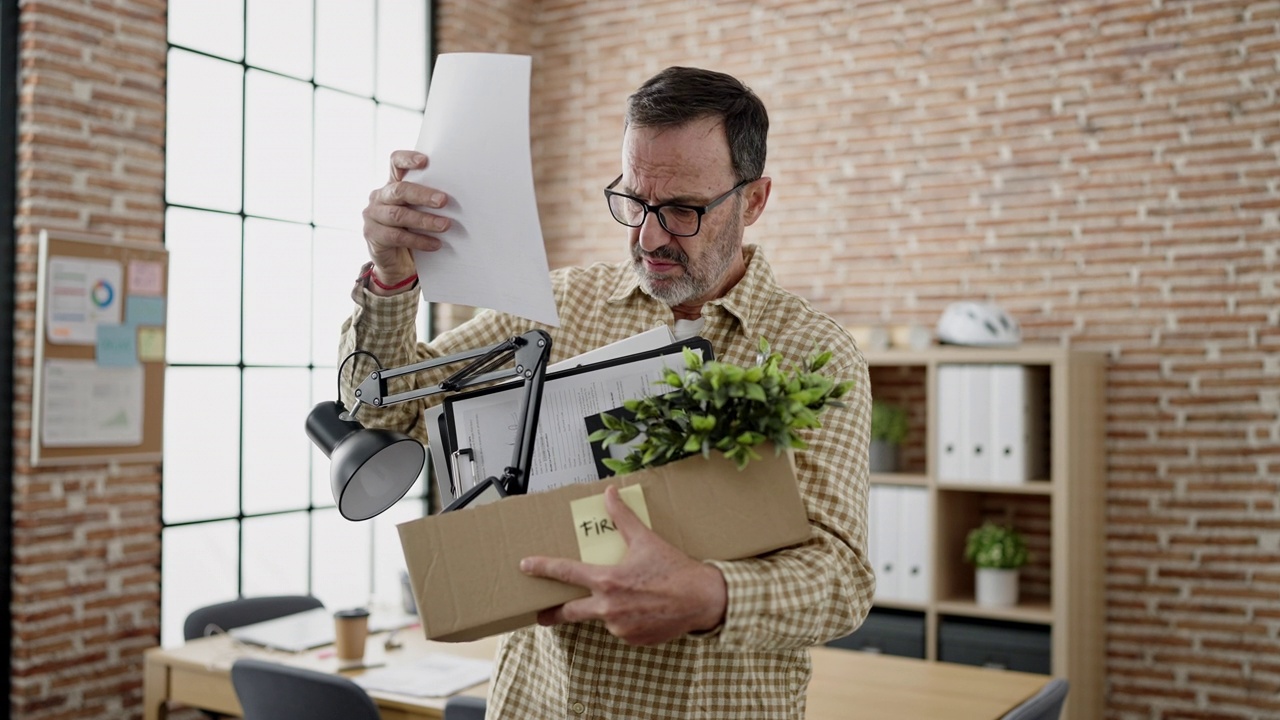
[
  {"x": 151, "y": 344},
  {"x": 599, "y": 541}
]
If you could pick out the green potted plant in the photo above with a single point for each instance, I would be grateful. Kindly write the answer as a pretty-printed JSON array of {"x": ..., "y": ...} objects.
[
  {"x": 888, "y": 431},
  {"x": 724, "y": 407},
  {"x": 997, "y": 551}
]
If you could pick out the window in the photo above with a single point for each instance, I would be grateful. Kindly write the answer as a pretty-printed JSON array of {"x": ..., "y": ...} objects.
[{"x": 281, "y": 115}]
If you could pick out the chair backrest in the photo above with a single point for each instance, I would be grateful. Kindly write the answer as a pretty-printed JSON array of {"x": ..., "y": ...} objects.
[
  {"x": 245, "y": 611},
  {"x": 273, "y": 691},
  {"x": 1044, "y": 705},
  {"x": 464, "y": 707}
]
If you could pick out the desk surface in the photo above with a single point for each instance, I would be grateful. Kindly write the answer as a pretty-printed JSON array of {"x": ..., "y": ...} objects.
[{"x": 872, "y": 687}]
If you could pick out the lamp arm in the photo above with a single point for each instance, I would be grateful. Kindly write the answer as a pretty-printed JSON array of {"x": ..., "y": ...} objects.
[
  {"x": 373, "y": 390},
  {"x": 531, "y": 353}
]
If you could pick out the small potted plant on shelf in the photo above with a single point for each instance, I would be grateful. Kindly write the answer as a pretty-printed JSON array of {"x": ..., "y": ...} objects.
[
  {"x": 997, "y": 551},
  {"x": 888, "y": 431}
]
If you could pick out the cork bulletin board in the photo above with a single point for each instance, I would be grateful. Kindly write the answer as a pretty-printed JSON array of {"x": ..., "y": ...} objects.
[{"x": 98, "y": 392}]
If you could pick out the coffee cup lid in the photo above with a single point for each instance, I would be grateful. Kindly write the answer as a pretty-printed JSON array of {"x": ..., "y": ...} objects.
[{"x": 352, "y": 613}]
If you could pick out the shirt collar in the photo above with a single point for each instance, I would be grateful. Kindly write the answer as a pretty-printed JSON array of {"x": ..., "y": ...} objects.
[{"x": 744, "y": 300}]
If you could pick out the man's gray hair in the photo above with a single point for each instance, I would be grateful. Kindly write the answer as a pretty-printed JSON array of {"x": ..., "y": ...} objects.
[{"x": 679, "y": 95}]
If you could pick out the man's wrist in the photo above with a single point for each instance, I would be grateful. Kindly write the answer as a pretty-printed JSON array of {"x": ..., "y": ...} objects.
[
  {"x": 385, "y": 283},
  {"x": 717, "y": 600}
]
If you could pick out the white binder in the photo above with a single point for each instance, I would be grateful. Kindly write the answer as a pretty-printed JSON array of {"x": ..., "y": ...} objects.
[
  {"x": 884, "y": 542},
  {"x": 951, "y": 414},
  {"x": 976, "y": 430},
  {"x": 1017, "y": 431},
  {"x": 914, "y": 568}
]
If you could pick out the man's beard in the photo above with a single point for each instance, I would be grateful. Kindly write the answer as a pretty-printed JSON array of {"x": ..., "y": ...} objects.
[{"x": 696, "y": 280}]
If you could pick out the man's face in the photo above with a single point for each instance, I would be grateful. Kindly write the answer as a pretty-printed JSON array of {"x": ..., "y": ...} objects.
[{"x": 688, "y": 165}]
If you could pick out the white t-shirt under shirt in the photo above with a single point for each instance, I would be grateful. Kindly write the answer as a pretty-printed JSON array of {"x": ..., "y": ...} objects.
[{"x": 686, "y": 329}]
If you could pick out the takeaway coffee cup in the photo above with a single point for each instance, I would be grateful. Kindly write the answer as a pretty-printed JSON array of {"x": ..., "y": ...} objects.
[{"x": 350, "y": 629}]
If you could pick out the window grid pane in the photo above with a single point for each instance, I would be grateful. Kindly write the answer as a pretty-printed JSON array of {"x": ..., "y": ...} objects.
[
  {"x": 277, "y": 293},
  {"x": 212, "y": 26},
  {"x": 266, "y": 174},
  {"x": 277, "y": 147},
  {"x": 283, "y": 571},
  {"x": 203, "y": 130}
]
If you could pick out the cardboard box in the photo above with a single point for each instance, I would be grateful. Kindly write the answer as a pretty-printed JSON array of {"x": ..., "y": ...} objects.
[{"x": 464, "y": 565}]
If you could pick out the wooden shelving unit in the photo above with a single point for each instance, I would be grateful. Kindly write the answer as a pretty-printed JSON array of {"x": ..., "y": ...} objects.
[{"x": 1064, "y": 513}]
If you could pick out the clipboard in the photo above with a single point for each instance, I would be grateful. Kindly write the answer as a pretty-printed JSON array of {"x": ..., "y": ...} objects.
[{"x": 562, "y": 455}]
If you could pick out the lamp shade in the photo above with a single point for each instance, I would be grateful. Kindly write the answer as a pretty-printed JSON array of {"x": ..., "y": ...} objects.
[{"x": 370, "y": 470}]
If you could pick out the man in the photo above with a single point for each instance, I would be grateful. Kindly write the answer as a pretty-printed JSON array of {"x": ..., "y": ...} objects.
[{"x": 661, "y": 635}]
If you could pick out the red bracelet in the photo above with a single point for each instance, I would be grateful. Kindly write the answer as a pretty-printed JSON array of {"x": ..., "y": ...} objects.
[{"x": 407, "y": 281}]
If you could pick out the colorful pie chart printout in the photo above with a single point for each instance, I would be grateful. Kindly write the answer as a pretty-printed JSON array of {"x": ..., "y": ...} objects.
[{"x": 83, "y": 294}]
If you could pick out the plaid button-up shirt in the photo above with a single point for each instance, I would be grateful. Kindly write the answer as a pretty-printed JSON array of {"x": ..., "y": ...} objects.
[{"x": 756, "y": 664}]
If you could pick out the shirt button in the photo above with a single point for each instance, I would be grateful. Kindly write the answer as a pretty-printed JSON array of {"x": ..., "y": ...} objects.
[{"x": 579, "y": 708}]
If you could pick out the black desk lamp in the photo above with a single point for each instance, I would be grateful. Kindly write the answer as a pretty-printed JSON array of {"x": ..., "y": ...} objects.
[{"x": 372, "y": 469}]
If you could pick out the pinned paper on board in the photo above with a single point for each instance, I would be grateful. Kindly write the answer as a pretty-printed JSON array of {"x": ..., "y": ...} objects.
[
  {"x": 117, "y": 346},
  {"x": 84, "y": 404},
  {"x": 599, "y": 540},
  {"x": 146, "y": 277},
  {"x": 151, "y": 344},
  {"x": 139, "y": 310},
  {"x": 83, "y": 293}
]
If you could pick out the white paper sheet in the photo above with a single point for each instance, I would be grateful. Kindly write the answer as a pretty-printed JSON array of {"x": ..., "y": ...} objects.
[
  {"x": 433, "y": 675},
  {"x": 475, "y": 132}
]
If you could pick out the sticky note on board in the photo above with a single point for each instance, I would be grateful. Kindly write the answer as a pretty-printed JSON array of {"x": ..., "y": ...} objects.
[
  {"x": 151, "y": 344},
  {"x": 145, "y": 278},
  {"x": 143, "y": 310},
  {"x": 117, "y": 346},
  {"x": 599, "y": 541}
]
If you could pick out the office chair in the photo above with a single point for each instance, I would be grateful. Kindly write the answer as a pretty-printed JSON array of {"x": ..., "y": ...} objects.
[
  {"x": 1044, "y": 705},
  {"x": 464, "y": 707},
  {"x": 245, "y": 611},
  {"x": 272, "y": 691}
]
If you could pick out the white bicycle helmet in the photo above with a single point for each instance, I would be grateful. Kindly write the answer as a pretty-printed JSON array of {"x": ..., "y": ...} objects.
[{"x": 975, "y": 323}]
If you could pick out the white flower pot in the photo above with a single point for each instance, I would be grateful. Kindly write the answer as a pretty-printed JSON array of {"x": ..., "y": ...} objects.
[{"x": 996, "y": 587}]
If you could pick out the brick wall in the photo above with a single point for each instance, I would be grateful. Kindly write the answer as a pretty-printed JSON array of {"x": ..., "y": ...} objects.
[
  {"x": 86, "y": 538},
  {"x": 1109, "y": 172}
]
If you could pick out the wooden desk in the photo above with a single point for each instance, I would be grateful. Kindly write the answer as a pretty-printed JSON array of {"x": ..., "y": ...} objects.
[
  {"x": 849, "y": 684},
  {"x": 846, "y": 684},
  {"x": 198, "y": 674}
]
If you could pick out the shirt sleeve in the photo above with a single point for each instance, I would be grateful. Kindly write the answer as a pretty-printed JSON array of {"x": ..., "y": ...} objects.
[
  {"x": 385, "y": 328},
  {"x": 822, "y": 589}
]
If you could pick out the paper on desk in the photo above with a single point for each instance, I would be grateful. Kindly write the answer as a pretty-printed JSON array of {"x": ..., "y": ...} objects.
[
  {"x": 432, "y": 675},
  {"x": 475, "y": 133}
]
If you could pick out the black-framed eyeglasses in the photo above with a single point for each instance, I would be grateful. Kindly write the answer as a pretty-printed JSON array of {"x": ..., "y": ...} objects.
[{"x": 679, "y": 220}]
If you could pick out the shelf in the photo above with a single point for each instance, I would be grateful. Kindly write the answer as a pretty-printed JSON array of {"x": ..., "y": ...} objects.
[
  {"x": 900, "y": 605},
  {"x": 1058, "y": 406},
  {"x": 899, "y": 479},
  {"x": 1038, "y": 612},
  {"x": 1039, "y": 487},
  {"x": 1031, "y": 354}
]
